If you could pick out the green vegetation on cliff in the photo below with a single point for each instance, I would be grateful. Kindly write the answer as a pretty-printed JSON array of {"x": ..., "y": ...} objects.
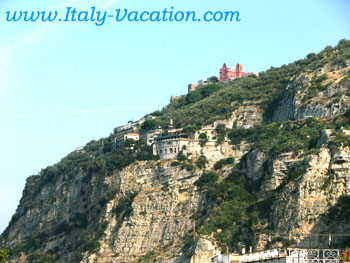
[
  {"x": 218, "y": 101},
  {"x": 235, "y": 211}
]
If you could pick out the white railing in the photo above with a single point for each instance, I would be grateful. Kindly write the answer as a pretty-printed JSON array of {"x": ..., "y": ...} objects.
[
  {"x": 263, "y": 255},
  {"x": 296, "y": 255},
  {"x": 315, "y": 255}
]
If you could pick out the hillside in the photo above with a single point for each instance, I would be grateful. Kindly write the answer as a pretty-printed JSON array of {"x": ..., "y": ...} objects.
[{"x": 277, "y": 176}]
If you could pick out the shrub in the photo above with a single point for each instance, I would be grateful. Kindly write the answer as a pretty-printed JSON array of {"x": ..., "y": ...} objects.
[
  {"x": 42, "y": 258},
  {"x": 4, "y": 254},
  {"x": 191, "y": 129},
  {"x": 175, "y": 163},
  {"x": 189, "y": 167},
  {"x": 109, "y": 195},
  {"x": 149, "y": 124},
  {"x": 235, "y": 209},
  {"x": 107, "y": 146},
  {"x": 201, "y": 162},
  {"x": 219, "y": 164},
  {"x": 340, "y": 139},
  {"x": 90, "y": 245},
  {"x": 181, "y": 156},
  {"x": 63, "y": 227},
  {"x": 206, "y": 179},
  {"x": 203, "y": 139},
  {"x": 221, "y": 133},
  {"x": 124, "y": 208},
  {"x": 79, "y": 220}
]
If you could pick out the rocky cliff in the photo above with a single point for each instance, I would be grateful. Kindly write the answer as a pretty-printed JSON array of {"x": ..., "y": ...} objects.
[
  {"x": 321, "y": 94},
  {"x": 278, "y": 175}
]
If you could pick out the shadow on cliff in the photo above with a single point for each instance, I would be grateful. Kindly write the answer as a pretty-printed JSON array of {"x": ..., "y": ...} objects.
[{"x": 332, "y": 229}]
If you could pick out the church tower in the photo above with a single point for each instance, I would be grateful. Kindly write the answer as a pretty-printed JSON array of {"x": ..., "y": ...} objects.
[
  {"x": 239, "y": 70},
  {"x": 223, "y": 73}
]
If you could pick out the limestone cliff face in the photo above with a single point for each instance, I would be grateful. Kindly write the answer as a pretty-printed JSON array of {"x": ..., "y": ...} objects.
[
  {"x": 321, "y": 94},
  {"x": 245, "y": 116},
  {"x": 147, "y": 210},
  {"x": 165, "y": 201},
  {"x": 161, "y": 216},
  {"x": 301, "y": 201},
  {"x": 88, "y": 209}
]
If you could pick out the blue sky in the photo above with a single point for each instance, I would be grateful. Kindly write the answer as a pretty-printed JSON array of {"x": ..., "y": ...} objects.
[{"x": 62, "y": 84}]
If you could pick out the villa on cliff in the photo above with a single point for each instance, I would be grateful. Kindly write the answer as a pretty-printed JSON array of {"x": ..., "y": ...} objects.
[
  {"x": 168, "y": 145},
  {"x": 232, "y": 73},
  {"x": 225, "y": 74}
]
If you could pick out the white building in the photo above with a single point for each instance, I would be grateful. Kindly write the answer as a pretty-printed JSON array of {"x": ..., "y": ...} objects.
[
  {"x": 149, "y": 136},
  {"x": 168, "y": 146},
  {"x": 119, "y": 141}
]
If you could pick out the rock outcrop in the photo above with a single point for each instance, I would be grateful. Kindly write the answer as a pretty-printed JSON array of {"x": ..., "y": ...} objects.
[{"x": 307, "y": 97}]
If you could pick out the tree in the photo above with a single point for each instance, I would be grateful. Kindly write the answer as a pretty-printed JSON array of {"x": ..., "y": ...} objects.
[
  {"x": 201, "y": 161},
  {"x": 328, "y": 49},
  {"x": 107, "y": 146},
  {"x": 213, "y": 79},
  {"x": 149, "y": 125},
  {"x": 191, "y": 129},
  {"x": 207, "y": 90},
  {"x": 193, "y": 97},
  {"x": 206, "y": 179},
  {"x": 203, "y": 139},
  {"x": 129, "y": 142},
  {"x": 4, "y": 254}
]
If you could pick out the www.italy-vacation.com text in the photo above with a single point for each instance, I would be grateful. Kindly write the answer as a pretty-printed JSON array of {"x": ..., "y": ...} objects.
[{"x": 100, "y": 17}]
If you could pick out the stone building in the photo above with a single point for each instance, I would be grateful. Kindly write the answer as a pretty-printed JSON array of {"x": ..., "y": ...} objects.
[
  {"x": 232, "y": 73},
  {"x": 169, "y": 145}
]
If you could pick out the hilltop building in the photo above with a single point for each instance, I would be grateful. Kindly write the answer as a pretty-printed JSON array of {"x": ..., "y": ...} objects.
[
  {"x": 129, "y": 127},
  {"x": 168, "y": 145},
  {"x": 200, "y": 83},
  {"x": 132, "y": 126},
  {"x": 232, "y": 73}
]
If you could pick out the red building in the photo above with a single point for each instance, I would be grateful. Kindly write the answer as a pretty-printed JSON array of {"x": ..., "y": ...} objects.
[{"x": 231, "y": 73}]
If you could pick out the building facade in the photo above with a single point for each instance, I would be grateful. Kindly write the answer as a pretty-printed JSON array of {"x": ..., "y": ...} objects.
[
  {"x": 169, "y": 145},
  {"x": 119, "y": 141},
  {"x": 149, "y": 136},
  {"x": 232, "y": 73}
]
